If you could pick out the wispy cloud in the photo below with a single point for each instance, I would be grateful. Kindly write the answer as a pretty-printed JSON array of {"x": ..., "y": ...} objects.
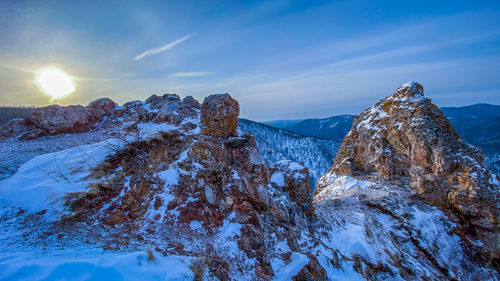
[
  {"x": 162, "y": 48},
  {"x": 192, "y": 74}
]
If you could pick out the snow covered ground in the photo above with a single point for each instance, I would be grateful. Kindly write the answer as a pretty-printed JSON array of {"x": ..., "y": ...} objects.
[
  {"x": 33, "y": 198},
  {"x": 92, "y": 264},
  {"x": 15, "y": 153},
  {"x": 44, "y": 181}
]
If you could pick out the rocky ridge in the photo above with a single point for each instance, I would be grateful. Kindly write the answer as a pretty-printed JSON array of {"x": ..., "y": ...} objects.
[
  {"x": 180, "y": 179},
  {"x": 176, "y": 178}
]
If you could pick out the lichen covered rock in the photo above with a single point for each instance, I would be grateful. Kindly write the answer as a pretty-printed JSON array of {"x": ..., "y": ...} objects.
[
  {"x": 219, "y": 115},
  {"x": 405, "y": 139},
  {"x": 56, "y": 119},
  {"x": 101, "y": 107}
]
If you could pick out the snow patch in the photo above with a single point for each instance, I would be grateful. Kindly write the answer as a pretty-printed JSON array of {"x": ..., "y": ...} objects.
[
  {"x": 93, "y": 264},
  {"x": 43, "y": 182},
  {"x": 278, "y": 179},
  {"x": 287, "y": 271}
]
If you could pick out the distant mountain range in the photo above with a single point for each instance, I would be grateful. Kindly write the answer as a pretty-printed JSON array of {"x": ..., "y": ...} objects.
[
  {"x": 478, "y": 124},
  {"x": 332, "y": 128},
  {"x": 476, "y": 111}
]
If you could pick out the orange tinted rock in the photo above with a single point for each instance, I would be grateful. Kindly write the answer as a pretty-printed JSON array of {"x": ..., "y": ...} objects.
[
  {"x": 101, "y": 107},
  {"x": 405, "y": 139},
  {"x": 219, "y": 115},
  {"x": 57, "y": 119}
]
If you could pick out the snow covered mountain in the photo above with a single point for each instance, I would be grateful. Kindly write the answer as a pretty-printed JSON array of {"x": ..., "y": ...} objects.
[
  {"x": 171, "y": 189},
  {"x": 276, "y": 145}
]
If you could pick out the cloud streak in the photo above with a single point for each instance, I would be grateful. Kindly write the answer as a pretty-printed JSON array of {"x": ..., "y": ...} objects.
[
  {"x": 163, "y": 48},
  {"x": 192, "y": 74}
]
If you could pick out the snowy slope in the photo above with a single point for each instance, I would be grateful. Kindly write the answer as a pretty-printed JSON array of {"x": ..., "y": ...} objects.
[
  {"x": 388, "y": 234},
  {"x": 92, "y": 264},
  {"x": 46, "y": 179}
]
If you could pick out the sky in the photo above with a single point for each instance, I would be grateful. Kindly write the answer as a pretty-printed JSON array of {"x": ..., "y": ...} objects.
[{"x": 279, "y": 59}]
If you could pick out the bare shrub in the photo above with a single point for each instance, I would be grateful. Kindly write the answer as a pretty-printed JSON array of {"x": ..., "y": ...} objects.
[
  {"x": 151, "y": 255},
  {"x": 198, "y": 268}
]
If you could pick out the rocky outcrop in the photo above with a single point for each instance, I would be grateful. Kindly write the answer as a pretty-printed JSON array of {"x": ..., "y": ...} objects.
[
  {"x": 210, "y": 184},
  {"x": 15, "y": 127},
  {"x": 406, "y": 140},
  {"x": 293, "y": 178},
  {"x": 101, "y": 107},
  {"x": 166, "y": 109},
  {"x": 55, "y": 119},
  {"x": 104, "y": 113},
  {"x": 219, "y": 115}
]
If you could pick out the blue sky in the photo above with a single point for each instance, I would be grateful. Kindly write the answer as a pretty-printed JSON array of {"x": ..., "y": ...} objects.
[{"x": 279, "y": 59}]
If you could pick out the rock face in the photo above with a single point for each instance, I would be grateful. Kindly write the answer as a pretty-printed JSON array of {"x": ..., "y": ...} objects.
[
  {"x": 294, "y": 178},
  {"x": 406, "y": 140},
  {"x": 219, "y": 115}
]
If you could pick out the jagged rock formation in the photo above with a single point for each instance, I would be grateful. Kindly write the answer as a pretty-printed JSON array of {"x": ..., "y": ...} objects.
[
  {"x": 406, "y": 140},
  {"x": 478, "y": 124},
  {"x": 175, "y": 178}
]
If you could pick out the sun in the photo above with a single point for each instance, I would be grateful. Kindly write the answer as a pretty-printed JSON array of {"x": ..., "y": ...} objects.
[{"x": 54, "y": 82}]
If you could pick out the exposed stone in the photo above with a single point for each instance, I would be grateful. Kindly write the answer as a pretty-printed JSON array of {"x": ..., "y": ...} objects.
[
  {"x": 312, "y": 271},
  {"x": 189, "y": 100},
  {"x": 295, "y": 182},
  {"x": 219, "y": 115},
  {"x": 57, "y": 119},
  {"x": 101, "y": 107},
  {"x": 32, "y": 134},
  {"x": 157, "y": 101},
  {"x": 153, "y": 99},
  {"x": 14, "y": 128},
  {"x": 405, "y": 139}
]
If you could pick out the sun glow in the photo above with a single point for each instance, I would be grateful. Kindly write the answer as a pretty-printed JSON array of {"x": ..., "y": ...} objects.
[{"x": 54, "y": 82}]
